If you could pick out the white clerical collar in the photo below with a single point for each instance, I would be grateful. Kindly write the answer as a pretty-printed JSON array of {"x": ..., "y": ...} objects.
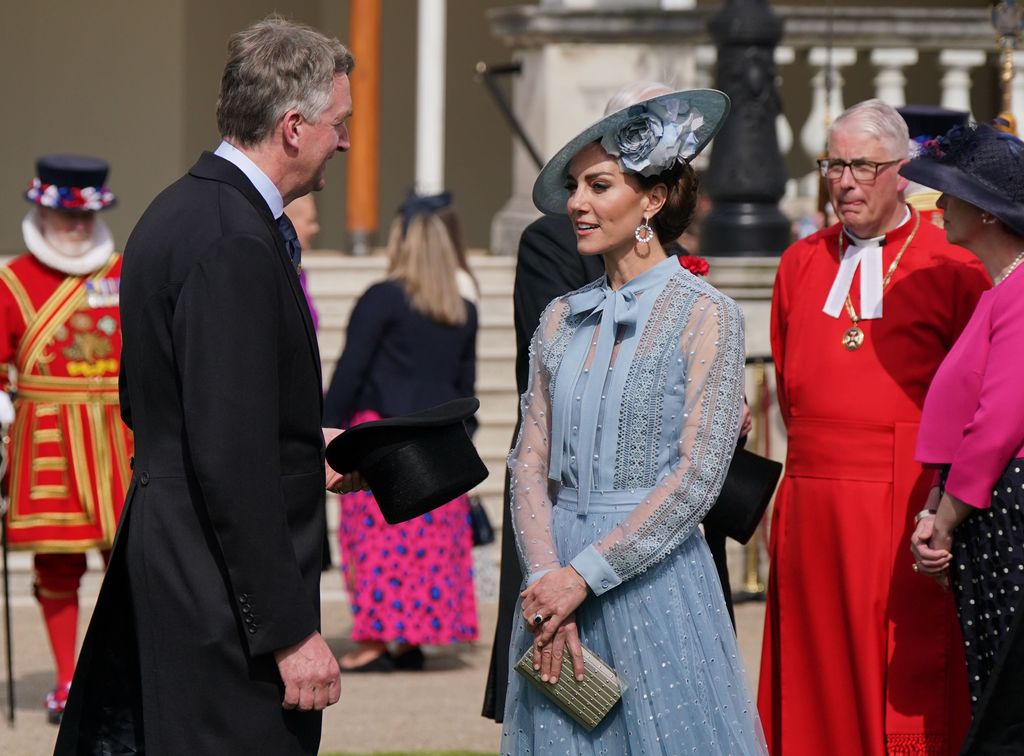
[
  {"x": 866, "y": 253},
  {"x": 259, "y": 179},
  {"x": 101, "y": 247}
]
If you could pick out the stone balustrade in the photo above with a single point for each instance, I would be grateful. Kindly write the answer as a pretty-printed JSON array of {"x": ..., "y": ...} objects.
[{"x": 576, "y": 54}]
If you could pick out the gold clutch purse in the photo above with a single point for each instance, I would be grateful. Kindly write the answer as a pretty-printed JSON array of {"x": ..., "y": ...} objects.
[{"x": 587, "y": 702}]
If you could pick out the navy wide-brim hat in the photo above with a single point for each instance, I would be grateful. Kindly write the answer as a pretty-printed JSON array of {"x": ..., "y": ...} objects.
[
  {"x": 647, "y": 138},
  {"x": 414, "y": 463},
  {"x": 979, "y": 165},
  {"x": 71, "y": 182}
]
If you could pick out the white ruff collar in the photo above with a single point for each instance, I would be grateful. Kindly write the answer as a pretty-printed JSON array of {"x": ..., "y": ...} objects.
[
  {"x": 101, "y": 246},
  {"x": 867, "y": 254}
]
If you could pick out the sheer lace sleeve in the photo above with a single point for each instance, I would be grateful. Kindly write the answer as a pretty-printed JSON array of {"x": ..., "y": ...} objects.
[
  {"x": 711, "y": 350},
  {"x": 528, "y": 460}
]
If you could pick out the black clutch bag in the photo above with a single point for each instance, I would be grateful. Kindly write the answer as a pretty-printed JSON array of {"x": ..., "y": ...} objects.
[
  {"x": 748, "y": 488},
  {"x": 480, "y": 523}
]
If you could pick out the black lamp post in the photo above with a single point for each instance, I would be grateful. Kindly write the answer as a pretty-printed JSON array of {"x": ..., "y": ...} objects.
[{"x": 747, "y": 176}]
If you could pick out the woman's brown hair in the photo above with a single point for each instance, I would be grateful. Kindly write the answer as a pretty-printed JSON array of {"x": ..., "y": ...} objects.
[{"x": 676, "y": 214}]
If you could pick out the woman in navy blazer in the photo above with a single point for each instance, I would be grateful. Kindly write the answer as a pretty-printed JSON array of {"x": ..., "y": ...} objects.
[{"x": 410, "y": 344}]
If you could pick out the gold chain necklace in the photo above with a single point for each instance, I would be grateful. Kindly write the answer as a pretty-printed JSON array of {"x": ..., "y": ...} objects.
[
  {"x": 854, "y": 336},
  {"x": 1009, "y": 269}
]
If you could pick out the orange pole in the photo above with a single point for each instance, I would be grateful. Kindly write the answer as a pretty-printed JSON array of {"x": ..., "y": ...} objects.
[{"x": 363, "y": 175}]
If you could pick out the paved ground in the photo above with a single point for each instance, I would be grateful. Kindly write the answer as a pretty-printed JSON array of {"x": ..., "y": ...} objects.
[{"x": 435, "y": 709}]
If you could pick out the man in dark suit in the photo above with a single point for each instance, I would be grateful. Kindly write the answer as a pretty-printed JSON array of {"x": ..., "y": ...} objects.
[{"x": 205, "y": 638}]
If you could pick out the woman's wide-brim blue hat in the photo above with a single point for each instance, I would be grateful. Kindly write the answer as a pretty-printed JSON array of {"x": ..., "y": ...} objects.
[
  {"x": 648, "y": 138},
  {"x": 981, "y": 166}
]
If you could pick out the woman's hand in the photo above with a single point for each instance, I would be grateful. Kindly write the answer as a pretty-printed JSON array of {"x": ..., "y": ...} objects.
[
  {"x": 930, "y": 560},
  {"x": 553, "y": 599},
  {"x": 548, "y": 659}
]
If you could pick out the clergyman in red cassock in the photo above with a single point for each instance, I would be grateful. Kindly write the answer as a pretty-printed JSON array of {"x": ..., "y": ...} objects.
[{"x": 859, "y": 656}]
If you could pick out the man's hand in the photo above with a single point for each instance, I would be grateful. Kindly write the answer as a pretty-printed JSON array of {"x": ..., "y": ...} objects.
[
  {"x": 337, "y": 482},
  {"x": 312, "y": 681},
  {"x": 747, "y": 424}
]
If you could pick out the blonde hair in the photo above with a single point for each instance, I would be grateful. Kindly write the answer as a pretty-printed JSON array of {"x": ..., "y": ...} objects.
[{"x": 424, "y": 261}]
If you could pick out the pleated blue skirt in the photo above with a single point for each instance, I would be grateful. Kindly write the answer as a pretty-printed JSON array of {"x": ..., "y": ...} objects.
[{"x": 668, "y": 635}]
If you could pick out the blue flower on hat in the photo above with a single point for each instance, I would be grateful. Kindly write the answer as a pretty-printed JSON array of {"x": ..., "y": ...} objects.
[{"x": 656, "y": 137}]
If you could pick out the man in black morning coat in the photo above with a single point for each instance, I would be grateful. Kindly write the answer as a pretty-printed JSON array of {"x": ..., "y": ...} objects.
[{"x": 205, "y": 638}]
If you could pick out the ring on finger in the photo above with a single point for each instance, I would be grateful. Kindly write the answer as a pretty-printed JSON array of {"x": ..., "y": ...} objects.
[
  {"x": 915, "y": 567},
  {"x": 538, "y": 620}
]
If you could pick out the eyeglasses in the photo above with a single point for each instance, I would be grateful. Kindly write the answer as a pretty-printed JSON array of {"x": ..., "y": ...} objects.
[{"x": 864, "y": 171}]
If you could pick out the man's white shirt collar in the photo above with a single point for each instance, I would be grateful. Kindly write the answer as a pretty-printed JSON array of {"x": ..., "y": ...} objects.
[
  {"x": 259, "y": 179},
  {"x": 867, "y": 253}
]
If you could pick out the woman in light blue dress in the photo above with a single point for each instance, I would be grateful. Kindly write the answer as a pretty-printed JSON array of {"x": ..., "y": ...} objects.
[{"x": 629, "y": 423}]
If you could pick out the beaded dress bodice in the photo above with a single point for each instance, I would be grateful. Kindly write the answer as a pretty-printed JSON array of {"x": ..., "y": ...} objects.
[{"x": 642, "y": 418}]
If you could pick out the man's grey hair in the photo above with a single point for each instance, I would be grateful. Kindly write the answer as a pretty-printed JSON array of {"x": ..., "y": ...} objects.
[
  {"x": 636, "y": 92},
  {"x": 275, "y": 66},
  {"x": 877, "y": 119}
]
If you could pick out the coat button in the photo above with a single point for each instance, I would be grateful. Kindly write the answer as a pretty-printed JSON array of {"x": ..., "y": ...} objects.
[
  {"x": 144, "y": 478},
  {"x": 244, "y": 598},
  {"x": 252, "y": 630}
]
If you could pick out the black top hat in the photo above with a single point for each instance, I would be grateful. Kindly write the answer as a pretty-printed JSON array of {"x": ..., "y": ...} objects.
[
  {"x": 413, "y": 463},
  {"x": 931, "y": 120},
  {"x": 71, "y": 182},
  {"x": 979, "y": 165},
  {"x": 748, "y": 488}
]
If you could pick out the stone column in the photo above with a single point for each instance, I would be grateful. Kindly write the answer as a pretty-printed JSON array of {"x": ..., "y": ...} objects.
[
  {"x": 956, "y": 83},
  {"x": 562, "y": 88},
  {"x": 890, "y": 82},
  {"x": 1017, "y": 90}
]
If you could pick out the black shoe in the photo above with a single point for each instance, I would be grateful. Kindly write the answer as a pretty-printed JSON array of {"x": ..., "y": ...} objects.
[
  {"x": 381, "y": 663},
  {"x": 412, "y": 659}
]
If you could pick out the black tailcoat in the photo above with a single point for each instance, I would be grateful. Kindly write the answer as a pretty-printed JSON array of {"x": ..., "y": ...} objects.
[{"x": 217, "y": 558}]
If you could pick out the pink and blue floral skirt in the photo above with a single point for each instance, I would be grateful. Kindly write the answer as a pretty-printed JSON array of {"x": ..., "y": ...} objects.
[{"x": 410, "y": 583}]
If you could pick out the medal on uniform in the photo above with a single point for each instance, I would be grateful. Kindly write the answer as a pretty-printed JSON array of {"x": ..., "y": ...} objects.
[
  {"x": 853, "y": 338},
  {"x": 102, "y": 292}
]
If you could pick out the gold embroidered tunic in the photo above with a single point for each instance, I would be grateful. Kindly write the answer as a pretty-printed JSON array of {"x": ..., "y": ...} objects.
[{"x": 69, "y": 451}]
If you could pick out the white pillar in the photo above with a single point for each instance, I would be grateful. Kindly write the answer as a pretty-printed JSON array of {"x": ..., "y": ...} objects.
[
  {"x": 956, "y": 83},
  {"x": 812, "y": 135},
  {"x": 705, "y": 57},
  {"x": 430, "y": 52},
  {"x": 784, "y": 55},
  {"x": 890, "y": 83},
  {"x": 1017, "y": 90}
]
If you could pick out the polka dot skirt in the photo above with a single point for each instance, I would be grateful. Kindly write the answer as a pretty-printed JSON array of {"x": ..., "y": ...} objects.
[{"x": 988, "y": 577}]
